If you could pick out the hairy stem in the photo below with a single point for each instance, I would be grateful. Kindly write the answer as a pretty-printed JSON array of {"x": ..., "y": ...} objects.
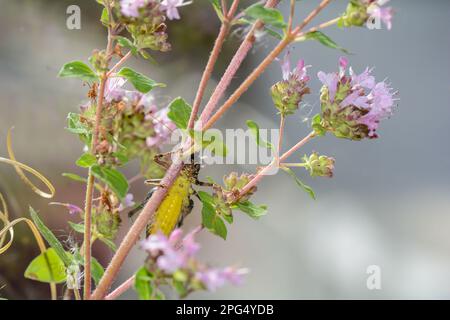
[
  {"x": 248, "y": 82},
  {"x": 124, "y": 287},
  {"x": 136, "y": 229},
  {"x": 263, "y": 172},
  {"x": 119, "y": 63},
  {"x": 223, "y": 33},
  {"x": 233, "y": 67},
  {"x": 262, "y": 67},
  {"x": 91, "y": 179}
]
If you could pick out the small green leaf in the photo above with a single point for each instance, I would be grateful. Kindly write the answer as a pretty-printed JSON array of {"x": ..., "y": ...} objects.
[
  {"x": 78, "y": 69},
  {"x": 179, "y": 113},
  {"x": 217, "y": 8},
  {"x": 87, "y": 160},
  {"x": 46, "y": 267},
  {"x": 140, "y": 82},
  {"x": 269, "y": 16},
  {"x": 210, "y": 219},
  {"x": 126, "y": 43},
  {"x": 105, "y": 17},
  {"x": 220, "y": 228},
  {"x": 254, "y": 129},
  {"x": 253, "y": 211},
  {"x": 113, "y": 178},
  {"x": 97, "y": 270},
  {"x": 323, "y": 39},
  {"x": 50, "y": 237},
  {"x": 77, "y": 227},
  {"x": 143, "y": 284},
  {"x": 316, "y": 124},
  {"x": 109, "y": 243},
  {"x": 74, "y": 177},
  {"x": 308, "y": 189}
]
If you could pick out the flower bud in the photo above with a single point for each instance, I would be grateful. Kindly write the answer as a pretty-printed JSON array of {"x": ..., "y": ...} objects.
[
  {"x": 288, "y": 94},
  {"x": 319, "y": 166},
  {"x": 355, "y": 14},
  {"x": 234, "y": 184}
]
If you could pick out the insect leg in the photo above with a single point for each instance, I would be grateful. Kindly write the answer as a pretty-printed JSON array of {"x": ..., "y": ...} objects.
[{"x": 142, "y": 205}]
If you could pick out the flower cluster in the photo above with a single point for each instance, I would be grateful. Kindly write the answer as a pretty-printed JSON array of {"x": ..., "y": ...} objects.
[
  {"x": 144, "y": 20},
  {"x": 353, "y": 105},
  {"x": 134, "y": 128},
  {"x": 360, "y": 12},
  {"x": 173, "y": 258},
  {"x": 288, "y": 93}
]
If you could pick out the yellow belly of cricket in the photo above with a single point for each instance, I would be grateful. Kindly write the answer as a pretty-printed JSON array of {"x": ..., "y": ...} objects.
[{"x": 171, "y": 208}]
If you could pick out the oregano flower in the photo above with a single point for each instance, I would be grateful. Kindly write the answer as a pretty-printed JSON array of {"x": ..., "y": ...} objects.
[{"x": 353, "y": 105}]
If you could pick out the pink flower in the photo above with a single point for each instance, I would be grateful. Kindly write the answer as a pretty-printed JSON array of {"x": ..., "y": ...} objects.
[
  {"x": 130, "y": 8},
  {"x": 170, "y": 6},
  {"x": 163, "y": 128},
  {"x": 377, "y": 12},
  {"x": 127, "y": 202},
  {"x": 214, "y": 278},
  {"x": 330, "y": 80},
  {"x": 370, "y": 101},
  {"x": 113, "y": 90},
  {"x": 300, "y": 72}
]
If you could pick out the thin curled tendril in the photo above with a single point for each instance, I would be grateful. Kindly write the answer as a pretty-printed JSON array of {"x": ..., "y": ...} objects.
[{"x": 8, "y": 226}]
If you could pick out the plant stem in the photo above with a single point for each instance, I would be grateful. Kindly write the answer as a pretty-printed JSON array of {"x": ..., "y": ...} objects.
[
  {"x": 119, "y": 63},
  {"x": 91, "y": 179},
  {"x": 233, "y": 67},
  {"x": 121, "y": 289},
  {"x": 262, "y": 67},
  {"x": 281, "y": 136},
  {"x": 136, "y": 229},
  {"x": 223, "y": 33},
  {"x": 300, "y": 144},
  {"x": 260, "y": 175},
  {"x": 249, "y": 81},
  {"x": 291, "y": 16}
]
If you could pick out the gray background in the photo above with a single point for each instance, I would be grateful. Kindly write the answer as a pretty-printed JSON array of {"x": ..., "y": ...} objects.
[{"x": 388, "y": 204}]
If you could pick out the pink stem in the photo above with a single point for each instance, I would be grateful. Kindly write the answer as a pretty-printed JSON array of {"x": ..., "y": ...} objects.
[{"x": 124, "y": 287}]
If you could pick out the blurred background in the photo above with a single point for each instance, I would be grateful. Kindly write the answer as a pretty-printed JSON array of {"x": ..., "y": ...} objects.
[{"x": 388, "y": 204}]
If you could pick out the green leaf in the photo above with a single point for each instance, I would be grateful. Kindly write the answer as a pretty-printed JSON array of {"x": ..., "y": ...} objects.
[
  {"x": 179, "y": 113},
  {"x": 210, "y": 219},
  {"x": 113, "y": 178},
  {"x": 254, "y": 211},
  {"x": 254, "y": 129},
  {"x": 74, "y": 177},
  {"x": 109, "y": 243},
  {"x": 269, "y": 16},
  {"x": 87, "y": 160},
  {"x": 97, "y": 270},
  {"x": 78, "y": 69},
  {"x": 50, "y": 237},
  {"x": 316, "y": 124},
  {"x": 77, "y": 227},
  {"x": 308, "y": 189},
  {"x": 126, "y": 43},
  {"x": 143, "y": 284},
  {"x": 46, "y": 267},
  {"x": 220, "y": 228},
  {"x": 140, "y": 82},
  {"x": 217, "y": 8},
  {"x": 105, "y": 17},
  {"x": 323, "y": 39}
]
